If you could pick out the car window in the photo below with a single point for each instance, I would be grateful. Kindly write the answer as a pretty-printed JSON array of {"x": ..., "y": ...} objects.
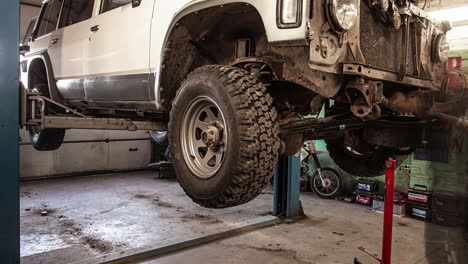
[
  {"x": 75, "y": 11},
  {"x": 112, "y": 4},
  {"x": 27, "y": 36},
  {"x": 49, "y": 17}
]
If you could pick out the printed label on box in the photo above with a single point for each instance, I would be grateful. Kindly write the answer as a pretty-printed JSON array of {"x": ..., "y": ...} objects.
[
  {"x": 417, "y": 197},
  {"x": 419, "y": 212},
  {"x": 364, "y": 187}
]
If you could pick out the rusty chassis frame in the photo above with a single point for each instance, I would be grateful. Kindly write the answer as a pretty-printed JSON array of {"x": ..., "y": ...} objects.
[
  {"x": 30, "y": 116},
  {"x": 419, "y": 102},
  {"x": 360, "y": 70},
  {"x": 354, "y": 130},
  {"x": 280, "y": 70}
]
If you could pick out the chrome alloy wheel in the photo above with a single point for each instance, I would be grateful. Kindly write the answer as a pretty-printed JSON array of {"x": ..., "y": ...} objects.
[{"x": 204, "y": 137}]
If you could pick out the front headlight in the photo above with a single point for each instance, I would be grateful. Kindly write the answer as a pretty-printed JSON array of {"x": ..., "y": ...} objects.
[
  {"x": 441, "y": 48},
  {"x": 344, "y": 13}
]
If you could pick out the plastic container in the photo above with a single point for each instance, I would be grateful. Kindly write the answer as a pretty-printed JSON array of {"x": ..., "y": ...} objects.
[
  {"x": 446, "y": 219},
  {"x": 365, "y": 193},
  {"x": 366, "y": 185},
  {"x": 379, "y": 205},
  {"x": 446, "y": 202},
  {"x": 419, "y": 211},
  {"x": 366, "y": 200}
]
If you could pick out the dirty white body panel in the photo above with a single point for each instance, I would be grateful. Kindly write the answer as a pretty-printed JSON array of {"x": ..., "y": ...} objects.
[{"x": 131, "y": 41}]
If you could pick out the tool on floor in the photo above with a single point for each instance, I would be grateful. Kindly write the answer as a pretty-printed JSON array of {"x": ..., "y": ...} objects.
[{"x": 388, "y": 215}]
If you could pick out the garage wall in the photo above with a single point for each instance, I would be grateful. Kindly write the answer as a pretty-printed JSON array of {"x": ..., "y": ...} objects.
[
  {"x": 87, "y": 151},
  {"x": 442, "y": 166}
]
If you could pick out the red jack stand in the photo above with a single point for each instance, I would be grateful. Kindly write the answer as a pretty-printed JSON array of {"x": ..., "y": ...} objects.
[
  {"x": 388, "y": 211},
  {"x": 388, "y": 215}
]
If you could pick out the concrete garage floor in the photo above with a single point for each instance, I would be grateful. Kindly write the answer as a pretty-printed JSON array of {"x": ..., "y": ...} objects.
[
  {"x": 94, "y": 215},
  {"x": 331, "y": 233},
  {"x": 90, "y": 216}
]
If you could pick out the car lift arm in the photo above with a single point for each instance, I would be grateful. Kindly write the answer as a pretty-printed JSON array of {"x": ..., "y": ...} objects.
[{"x": 30, "y": 116}]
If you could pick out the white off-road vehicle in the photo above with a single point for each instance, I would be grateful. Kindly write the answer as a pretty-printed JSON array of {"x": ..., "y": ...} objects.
[{"x": 234, "y": 79}]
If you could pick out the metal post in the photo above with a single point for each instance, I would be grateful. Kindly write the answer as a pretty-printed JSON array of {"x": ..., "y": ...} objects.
[
  {"x": 287, "y": 185},
  {"x": 278, "y": 189},
  {"x": 388, "y": 211},
  {"x": 293, "y": 205},
  {"x": 9, "y": 115}
]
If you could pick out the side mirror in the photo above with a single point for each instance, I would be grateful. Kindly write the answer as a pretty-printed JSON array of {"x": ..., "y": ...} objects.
[
  {"x": 136, "y": 3},
  {"x": 23, "y": 49}
]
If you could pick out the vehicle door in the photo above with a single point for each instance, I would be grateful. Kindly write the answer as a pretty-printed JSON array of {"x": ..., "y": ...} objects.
[
  {"x": 23, "y": 59},
  {"x": 45, "y": 26},
  {"x": 29, "y": 31},
  {"x": 118, "y": 53},
  {"x": 67, "y": 46}
]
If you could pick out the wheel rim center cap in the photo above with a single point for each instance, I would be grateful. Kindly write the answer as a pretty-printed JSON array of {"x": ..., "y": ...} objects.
[
  {"x": 211, "y": 136},
  {"x": 326, "y": 183}
]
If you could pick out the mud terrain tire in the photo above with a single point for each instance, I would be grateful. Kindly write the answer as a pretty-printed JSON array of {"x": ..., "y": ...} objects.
[
  {"x": 48, "y": 139},
  {"x": 372, "y": 165},
  {"x": 252, "y": 142}
]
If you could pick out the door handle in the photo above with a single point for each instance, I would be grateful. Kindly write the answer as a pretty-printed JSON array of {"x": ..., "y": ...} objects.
[
  {"x": 95, "y": 28},
  {"x": 54, "y": 41}
]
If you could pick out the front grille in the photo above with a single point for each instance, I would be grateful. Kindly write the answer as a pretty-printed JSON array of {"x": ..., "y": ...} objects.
[
  {"x": 410, "y": 65},
  {"x": 381, "y": 45}
]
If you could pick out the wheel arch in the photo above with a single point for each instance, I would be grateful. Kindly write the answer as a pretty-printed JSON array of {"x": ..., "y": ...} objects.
[
  {"x": 39, "y": 69},
  {"x": 169, "y": 74}
]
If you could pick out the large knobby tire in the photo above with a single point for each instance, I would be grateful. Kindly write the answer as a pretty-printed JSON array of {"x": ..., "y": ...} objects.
[
  {"x": 369, "y": 161},
  {"x": 242, "y": 108},
  {"x": 48, "y": 139},
  {"x": 369, "y": 165},
  {"x": 158, "y": 136}
]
